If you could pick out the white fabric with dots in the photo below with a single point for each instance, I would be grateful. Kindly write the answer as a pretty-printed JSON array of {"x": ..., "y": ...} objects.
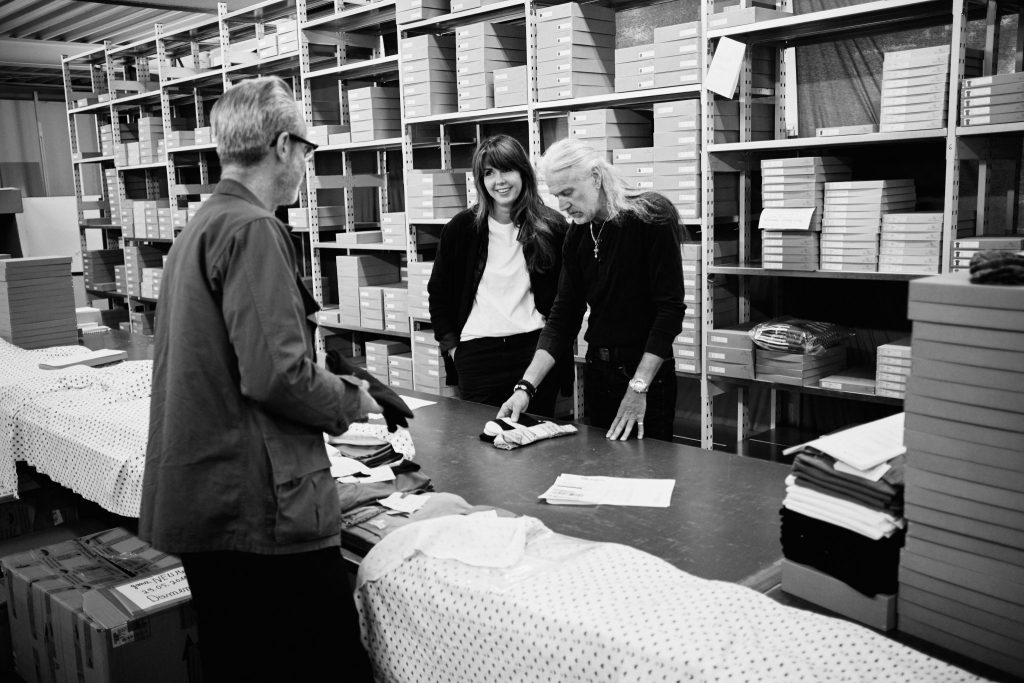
[{"x": 574, "y": 610}]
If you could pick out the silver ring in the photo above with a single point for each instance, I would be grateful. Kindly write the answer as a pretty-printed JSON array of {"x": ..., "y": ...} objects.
[{"x": 640, "y": 422}]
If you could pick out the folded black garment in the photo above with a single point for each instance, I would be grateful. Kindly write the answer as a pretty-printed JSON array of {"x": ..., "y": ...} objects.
[
  {"x": 408, "y": 479},
  {"x": 997, "y": 268},
  {"x": 868, "y": 566},
  {"x": 891, "y": 482},
  {"x": 371, "y": 455}
]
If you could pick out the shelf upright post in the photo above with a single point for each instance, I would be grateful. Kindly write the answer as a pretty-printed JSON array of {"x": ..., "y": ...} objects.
[
  {"x": 165, "y": 115},
  {"x": 744, "y": 236},
  {"x": 707, "y": 110},
  {"x": 225, "y": 44},
  {"x": 958, "y": 45},
  {"x": 988, "y": 67}
]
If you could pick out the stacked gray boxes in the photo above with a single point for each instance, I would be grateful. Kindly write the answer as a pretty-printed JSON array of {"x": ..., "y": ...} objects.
[
  {"x": 434, "y": 194},
  {"x": 677, "y": 55},
  {"x": 400, "y": 370},
  {"x": 37, "y": 302},
  {"x": 394, "y": 230},
  {"x": 608, "y": 129},
  {"x": 480, "y": 49},
  {"x": 355, "y": 272},
  {"x": 396, "y": 308},
  {"x": 965, "y": 248},
  {"x": 996, "y": 99},
  {"x": 377, "y": 353},
  {"x": 98, "y": 268},
  {"x": 911, "y": 242},
  {"x": 730, "y": 351},
  {"x": 634, "y": 68},
  {"x": 511, "y": 86},
  {"x": 374, "y": 113},
  {"x": 852, "y": 221},
  {"x": 407, "y": 11},
  {"x": 915, "y": 87},
  {"x": 892, "y": 368},
  {"x": 428, "y": 75},
  {"x": 428, "y": 365},
  {"x": 418, "y": 296},
  {"x": 961, "y": 569},
  {"x": 576, "y": 51},
  {"x": 677, "y": 172}
]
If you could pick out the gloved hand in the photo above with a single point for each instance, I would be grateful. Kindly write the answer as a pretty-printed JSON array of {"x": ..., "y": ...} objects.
[{"x": 396, "y": 413}]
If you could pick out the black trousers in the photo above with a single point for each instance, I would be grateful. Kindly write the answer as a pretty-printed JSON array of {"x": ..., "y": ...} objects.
[
  {"x": 489, "y": 367},
  {"x": 275, "y": 617},
  {"x": 606, "y": 381}
]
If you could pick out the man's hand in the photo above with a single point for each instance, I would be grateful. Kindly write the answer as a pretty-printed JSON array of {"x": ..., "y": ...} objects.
[
  {"x": 366, "y": 403},
  {"x": 384, "y": 398},
  {"x": 631, "y": 412},
  {"x": 515, "y": 405}
]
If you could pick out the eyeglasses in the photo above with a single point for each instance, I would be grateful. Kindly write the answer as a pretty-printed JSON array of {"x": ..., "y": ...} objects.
[{"x": 310, "y": 146}]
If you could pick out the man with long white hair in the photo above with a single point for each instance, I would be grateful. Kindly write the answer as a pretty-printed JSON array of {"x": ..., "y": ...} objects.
[{"x": 622, "y": 258}]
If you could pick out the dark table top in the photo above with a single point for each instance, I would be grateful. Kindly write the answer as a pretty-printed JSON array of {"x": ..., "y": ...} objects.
[{"x": 723, "y": 521}]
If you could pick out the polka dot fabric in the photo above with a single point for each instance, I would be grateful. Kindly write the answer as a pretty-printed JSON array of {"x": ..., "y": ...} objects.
[{"x": 573, "y": 610}]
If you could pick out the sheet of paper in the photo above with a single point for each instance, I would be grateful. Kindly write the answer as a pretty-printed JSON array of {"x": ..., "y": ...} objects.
[
  {"x": 575, "y": 489},
  {"x": 864, "y": 446},
  {"x": 405, "y": 503},
  {"x": 413, "y": 404},
  {"x": 873, "y": 474},
  {"x": 346, "y": 467},
  {"x": 153, "y": 591},
  {"x": 724, "y": 72},
  {"x": 786, "y": 219},
  {"x": 375, "y": 475}
]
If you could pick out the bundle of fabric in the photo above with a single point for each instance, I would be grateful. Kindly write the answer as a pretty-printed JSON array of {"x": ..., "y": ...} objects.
[
  {"x": 506, "y": 434},
  {"x": 845, "y": 522}
]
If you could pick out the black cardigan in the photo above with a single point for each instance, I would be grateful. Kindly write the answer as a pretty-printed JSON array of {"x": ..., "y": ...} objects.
[{"x": 459, "y": 265}]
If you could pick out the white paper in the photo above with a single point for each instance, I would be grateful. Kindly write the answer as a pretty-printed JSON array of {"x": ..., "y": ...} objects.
[
  {"x": 345, "y": 467},
  {"x": 786, "y": 219},
  {"x": 864, "y": 446},
  {"x": 575, "y": 489},
  {"x": 413, "y": 404},
  {"x": 724, "y": 73},
  {"x": 873, "y": 474},
  {"x": 156, "y": 590},
  {"x": 405, "y": 503},
  {"x": 375, "y": 475}
]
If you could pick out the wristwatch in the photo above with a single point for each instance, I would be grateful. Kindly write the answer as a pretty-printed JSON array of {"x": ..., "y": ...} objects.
[{"x": 638, "y": 385}]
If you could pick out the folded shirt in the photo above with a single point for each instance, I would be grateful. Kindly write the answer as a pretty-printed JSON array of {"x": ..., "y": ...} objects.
[{"x": 505, "y": 434}]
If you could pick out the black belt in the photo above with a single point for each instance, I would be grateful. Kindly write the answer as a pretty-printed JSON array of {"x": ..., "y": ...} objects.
[{"x": 611, "y": 354}]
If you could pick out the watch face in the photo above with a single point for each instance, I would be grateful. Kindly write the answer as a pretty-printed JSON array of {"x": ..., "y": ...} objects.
[{"x": 638, "y": 385}]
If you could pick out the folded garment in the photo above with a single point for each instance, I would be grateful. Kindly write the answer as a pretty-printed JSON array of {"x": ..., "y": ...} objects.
[
  {"x": 408, "y": 479},
  {"x": 997, "y": 267},
  {"x": 506, "y": 434},
  {"x": 892, "y": 505},
  {"x": 871, "y": 523}
]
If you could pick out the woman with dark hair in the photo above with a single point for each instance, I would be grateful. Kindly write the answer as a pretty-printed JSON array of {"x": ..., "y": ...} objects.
[{"x": 495, "y": 277}]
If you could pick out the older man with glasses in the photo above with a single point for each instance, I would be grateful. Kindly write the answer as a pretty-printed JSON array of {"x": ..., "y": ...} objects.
[{"x": 237, "y": 480}]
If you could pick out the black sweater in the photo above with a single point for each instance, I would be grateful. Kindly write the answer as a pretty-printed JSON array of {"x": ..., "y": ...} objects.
[{"x": 634, "y": 287}]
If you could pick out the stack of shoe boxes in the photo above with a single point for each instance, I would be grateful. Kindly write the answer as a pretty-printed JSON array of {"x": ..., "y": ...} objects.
[
  {"x": 609, "y": 129},
  {"x": 677, "y": 55},
  {"x": 480, "y": 49},
  {"x": 377, "y": 353},
  {"x": 576, "y": 51},
  {"x": 428, "y": 72},
  {"x": 434, "y": 194},
  {"x": 356, "y": 272},
  {"x": 374, "y": 114}
]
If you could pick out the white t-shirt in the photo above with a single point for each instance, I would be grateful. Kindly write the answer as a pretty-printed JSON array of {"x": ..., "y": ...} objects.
[{"x": 504, "y": 303}]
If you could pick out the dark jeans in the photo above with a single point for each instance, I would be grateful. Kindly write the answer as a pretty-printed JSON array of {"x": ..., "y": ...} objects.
[
  {"x": 489, "y": 367},
  {"x": 275, "y": 617},
  {"x": 605, "y": 382}
]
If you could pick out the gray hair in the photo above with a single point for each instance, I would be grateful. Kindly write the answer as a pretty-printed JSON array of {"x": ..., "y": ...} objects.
[
  {"x": 249, "y": 115},
  {"x": 570, "y": 154}
]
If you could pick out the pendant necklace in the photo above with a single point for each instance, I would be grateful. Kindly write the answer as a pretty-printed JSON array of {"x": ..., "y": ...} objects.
[{"x": 597, "y": 238}]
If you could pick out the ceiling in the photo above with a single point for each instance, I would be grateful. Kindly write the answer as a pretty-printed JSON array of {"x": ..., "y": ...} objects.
[{"x": 34, "y": 34}]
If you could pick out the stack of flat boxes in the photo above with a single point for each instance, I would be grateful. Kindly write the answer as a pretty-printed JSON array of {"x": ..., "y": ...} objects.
[
  {"x": 738, "y": 15},
  {"x": 204, "y": 135},
  {"x": 419, "y": 298},
  {"x": 98, "y": 268},
  {"x": 636, "y": 167},
  {"x": 634, "y": 68},
  {"x": 910, "y": 243},
  {"x": 374, "y": 113},
  {"x": 677, "y": 127},
  {"x": 609, "y": 129},
  {"x": 479, "y": 50},
  {"x": 687, "y": 361},
  {"x": 151, "y": 141},
  {"x": 180, "y": 138},
  {"x": 677, "y": 55},
  {"x": 915, "y": 86},
  {"x": 143, "y": 322},
  {"x": 892, "y": 368},
  {"x": 137, "y": 258},
  {"x": 804, "y": 369},
  {"x": 396, "y": 308},
  {"x": 106, "y": 132},
  {"x": 433, "y": 194},
  {"x": 730, "y": 351},
  {"x": 149, "y": 287},
  {"x": 996, "y": 99},
  {"x": 377, "y": 353},
  {"x": 298, "y": 218},
  {"x": 471, "y": 194},
  {"x": 356, "y": 272},
  {"x": 113, "y": 196},
  {"x": 371, "y": 307},
  {"x": 463, "y": 5},
  {"x": 961, "y": 569},
  {"x": 284, "y": 40},
  {"x": 852, "y": 221},
  {"x": 511, "y": 86},
  {"x": 576, "y": 53},
  {"x": 121, "y": 281},
  {"x": 417, "y": 10},
  {"x": 37, "y": 302},
  {"x": 147, "y": 218},
  {"x": 400, "y": 371},
  {"x": 796, "y": 183},
  {"x": 965, "y": 248},
  {"x": 428, "y": 365},
  {"x": 394, "y": 230},
  {"x": 333, "y": 133},
  {"x": 428, "y": 75}
]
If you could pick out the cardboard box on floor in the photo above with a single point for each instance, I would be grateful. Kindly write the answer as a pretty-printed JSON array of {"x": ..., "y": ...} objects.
[{"x": 104, "y": 608}]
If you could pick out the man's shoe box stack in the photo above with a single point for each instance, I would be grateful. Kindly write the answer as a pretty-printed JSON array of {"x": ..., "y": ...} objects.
[
  {"x": 374, "y": 114},
  {"x": 428, "y": 364},
  {"x": 151, "y": 141},
  {"x": 852, "y": 221},
  {"x": 730, "y": 351},
  {"x": 434, "y": 194},
  {"x": 416, "y": 10},
  {"x": 805, "y": 369},
  {"x": 692, "y": 269},
  {"x": 634, "y": 68},
  {"x": 915, "y": 86},
  {"x": 137, "y": 259},
  {"x": 394, "y": 230},
  {"x": 961, "y": 569},
  {"x": 98, "y": 268},
  {"x": 576, "y": 51},
  {"x": 511, "y": 86},
  {"x": 400, "y": 370},
  {"x": 990, "y": 100},
  {"x": 479, "y": 50},
  {"x": 677, "y": 56},
  {"x": 396, "y": 308},
  {"x": 911, "y": 243},
  {"x": 796, "y": 183},
  {"x": 964, "y": 249},
  {"x": 377, "y": 354},
  {"x": 892, "y": 368},
  {"x": 419, "y": 297},
  {"x": 609, "y": 129},
  {"x": 355, "y": 273},
  {"x": 428, "y": 75}
]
